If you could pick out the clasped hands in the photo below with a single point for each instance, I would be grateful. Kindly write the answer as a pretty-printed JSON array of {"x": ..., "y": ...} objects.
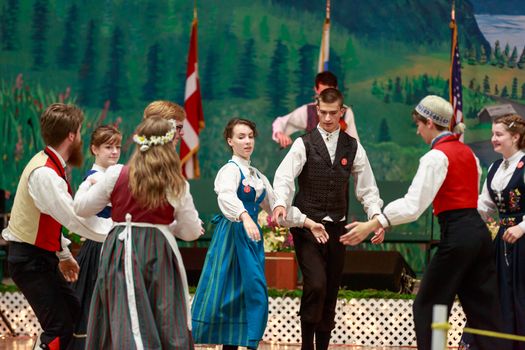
[
  {"x": 317, "y": 229},
  {"x": 359, "y": 231}
]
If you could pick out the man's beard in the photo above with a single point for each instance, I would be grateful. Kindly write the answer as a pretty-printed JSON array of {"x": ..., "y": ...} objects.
[{"x": 76, "y": 158}]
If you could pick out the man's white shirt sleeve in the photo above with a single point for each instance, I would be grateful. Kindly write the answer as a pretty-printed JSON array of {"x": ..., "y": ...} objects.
[
  {"x": 290, "y": 123},
  {"x": 288, "y": 170},
  {"x": 50, "y": 195},
  {"x": 431, "y": 174}
]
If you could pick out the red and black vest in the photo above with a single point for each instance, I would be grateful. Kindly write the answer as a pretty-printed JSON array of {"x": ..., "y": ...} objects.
[
  {"x": 123, "y": 202},
  {"x": 460, "y": 188}
]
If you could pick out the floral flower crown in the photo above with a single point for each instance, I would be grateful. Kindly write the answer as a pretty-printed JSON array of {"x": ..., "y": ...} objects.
[{"x": 145, "y": 142}]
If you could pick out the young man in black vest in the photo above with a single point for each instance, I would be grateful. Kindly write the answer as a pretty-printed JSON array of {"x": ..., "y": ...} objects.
[
  {"x": 304, "y": 118},
  {"x": 323, "y": 161}
]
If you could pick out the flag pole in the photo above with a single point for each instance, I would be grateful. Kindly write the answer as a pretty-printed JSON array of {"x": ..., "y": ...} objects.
[
  {"x": 194, "y": 9},
  {"x": 324, "y": 51},
  {"x": 455, "y": 84},
  {"x": 194, "y": 121},
  {"x": 453, "y": 43}
]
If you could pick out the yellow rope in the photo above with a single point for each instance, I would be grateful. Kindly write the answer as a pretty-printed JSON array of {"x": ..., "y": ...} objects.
[
  {"x": 494, "y": 334},
  {"x": 446, "y": 326},
  {"x": 442, "y": 325}
]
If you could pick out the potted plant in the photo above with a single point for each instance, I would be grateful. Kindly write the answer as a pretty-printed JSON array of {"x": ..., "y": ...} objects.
[{"x": 280, "y": 265}]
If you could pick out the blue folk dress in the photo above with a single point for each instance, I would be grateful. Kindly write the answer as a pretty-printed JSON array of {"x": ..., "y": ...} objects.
[
  {"x": 231, "y": 302},
  {"x": 510, "y": 258},
  {"x": 87, "y": 259}
]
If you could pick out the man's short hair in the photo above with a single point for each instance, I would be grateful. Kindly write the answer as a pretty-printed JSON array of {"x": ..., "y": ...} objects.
[
  {"x": 58, "y": 120},
  {"x": 331, "y": 95},
  {"x": 166, "y": 110},
  {"x": 326, "y": 78}
]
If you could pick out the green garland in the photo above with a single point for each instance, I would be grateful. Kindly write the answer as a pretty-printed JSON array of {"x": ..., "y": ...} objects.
[
  {"x": 343, "y": 294},
  {"x": 297, "y": 293},
  {"x": 10, "y": 288}
]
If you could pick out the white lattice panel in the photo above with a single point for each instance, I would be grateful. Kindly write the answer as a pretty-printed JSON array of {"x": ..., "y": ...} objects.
[
  {"x": 372, "y": 322},
  {"x": 16, "y": 309}
]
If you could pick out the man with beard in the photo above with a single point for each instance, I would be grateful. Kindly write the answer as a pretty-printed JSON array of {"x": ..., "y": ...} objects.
[{"x": 39, "y": 262}]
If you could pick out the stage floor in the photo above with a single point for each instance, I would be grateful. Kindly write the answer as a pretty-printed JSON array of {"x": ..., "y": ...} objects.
[{"x": 26, "y": 343}]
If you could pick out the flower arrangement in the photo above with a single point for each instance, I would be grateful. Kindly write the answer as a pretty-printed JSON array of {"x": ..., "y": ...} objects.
[{"x": 276, "y": 238}]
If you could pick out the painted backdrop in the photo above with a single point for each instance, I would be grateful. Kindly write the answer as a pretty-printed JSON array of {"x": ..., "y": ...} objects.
[{"x": 257, "y": 60}]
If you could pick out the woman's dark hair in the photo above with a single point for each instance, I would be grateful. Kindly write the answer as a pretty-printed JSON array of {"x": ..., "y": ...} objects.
[
  {"x": 228, "y": 130},
  {"x": 514, "y": 124}
]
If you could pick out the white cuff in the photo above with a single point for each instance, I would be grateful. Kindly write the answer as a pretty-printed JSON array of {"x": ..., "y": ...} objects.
[
  {"x": 383, "y": 220},
  {"x": 65, "y": 254},
  {"x": 238, "y": 217},
  {"x": 373, "y": 210},
  {"x": 279, "y": 203}
]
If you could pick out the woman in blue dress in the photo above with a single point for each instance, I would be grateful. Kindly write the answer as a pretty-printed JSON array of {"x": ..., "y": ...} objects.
[
  {"x": 504, "y": 193},
  {"x": 105, "y": 146},
  {"x": 230, "y": 306}
]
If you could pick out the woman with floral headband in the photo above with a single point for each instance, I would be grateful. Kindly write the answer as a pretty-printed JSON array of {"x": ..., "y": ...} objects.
[
  {"x": 105, "y": 146},
  {"x": 504, "y": 193},
  {"x": 231, "y": 302},
  {"x": 141, "y": 295}
]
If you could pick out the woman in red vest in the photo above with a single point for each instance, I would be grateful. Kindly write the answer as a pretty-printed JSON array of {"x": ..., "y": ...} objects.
[
  {"x": 448, "y": 178},
  {"x": 141, "y": 297}
]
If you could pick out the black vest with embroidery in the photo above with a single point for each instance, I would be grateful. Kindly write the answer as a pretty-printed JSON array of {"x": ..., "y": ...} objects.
[
  {"x": 323, "y": 186},
  {"x": 511, "y": 203}
]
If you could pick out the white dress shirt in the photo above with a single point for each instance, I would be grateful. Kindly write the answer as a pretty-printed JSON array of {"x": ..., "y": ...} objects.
[
  {"x": 297, "y": 120},
  {"x": 366, "y": 190},
  {"x": 91, "y": 199},
  {"x": 430, "y": 175},
  {"x": 486, "y": 207},
  {"x": 95, "y": 177},
  {"x": 50, "y": 195},
  {"x": 226, "y": 185}
]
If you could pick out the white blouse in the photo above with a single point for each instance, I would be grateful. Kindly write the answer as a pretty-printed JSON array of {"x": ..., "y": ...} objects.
[
  {"x": 486, "y": 207},
  {"x": 90, "y": 199},
  {"x": 227, "y": 182}
]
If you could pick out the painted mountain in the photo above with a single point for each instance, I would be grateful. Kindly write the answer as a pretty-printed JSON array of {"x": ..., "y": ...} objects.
[{"x": 499, "y": 7}]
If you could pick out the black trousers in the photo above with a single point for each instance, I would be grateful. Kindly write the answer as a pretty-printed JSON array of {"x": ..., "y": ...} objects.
[
  {"x": 464, "y": 266},
  {"x": 35, "y": 272},
  {"x": 322, "y": 267}
]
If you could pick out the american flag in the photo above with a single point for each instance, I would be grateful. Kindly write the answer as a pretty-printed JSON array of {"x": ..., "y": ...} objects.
[
  {"x": 193, "y": 106},
  {"x": 324, "y": 51},
  {"x": 455, "y": 89}
]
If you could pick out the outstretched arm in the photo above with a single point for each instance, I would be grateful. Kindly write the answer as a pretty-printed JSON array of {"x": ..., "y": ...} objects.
[
  {"x": 283, "y": 127},
  {"x": 359, "y": 231}
]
